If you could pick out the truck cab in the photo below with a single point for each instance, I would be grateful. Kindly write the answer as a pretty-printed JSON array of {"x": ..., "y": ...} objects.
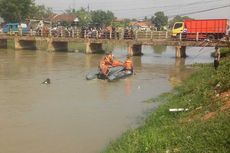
[{"x": 178, "y": 28}]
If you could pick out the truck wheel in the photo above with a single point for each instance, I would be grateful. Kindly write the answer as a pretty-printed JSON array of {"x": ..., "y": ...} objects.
[{"x": 211, "y": 37}]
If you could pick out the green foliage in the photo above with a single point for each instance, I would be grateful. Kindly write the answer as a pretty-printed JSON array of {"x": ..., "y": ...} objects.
[
  {"x": 160, "y": 20},
  {"x": 84, "y": 17},
  {"x": 40, "y": 12},
  {"x": 20, "y": 10},
  {"x": 101, "y": 18},
  {"x": 224, "y": 52},
  {"x": 97, "y": 18},
  {"x": 165, "y": 131},
  {"x": 124, "y": 23},
  {"x": 15, "y": 10}
]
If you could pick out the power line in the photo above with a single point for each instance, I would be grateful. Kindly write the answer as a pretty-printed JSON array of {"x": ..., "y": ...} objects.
[
  {"x": 188, "y": 13},
  {"x": 159, "y": 7},
  {"x": 201, "y": 11},
  {"x": 168, "y": 6}
]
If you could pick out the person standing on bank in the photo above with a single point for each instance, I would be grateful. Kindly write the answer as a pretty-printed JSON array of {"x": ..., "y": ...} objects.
[{"x": 216, "y": 57}]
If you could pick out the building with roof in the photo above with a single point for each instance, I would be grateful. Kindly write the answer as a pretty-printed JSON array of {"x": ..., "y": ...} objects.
[
  {"x": 64, "y": 18},
  {"x": 143, "y": 25}
]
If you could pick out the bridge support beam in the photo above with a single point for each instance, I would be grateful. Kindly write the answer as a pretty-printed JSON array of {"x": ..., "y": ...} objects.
[
  {"x": 93, "y": 48},
  {"x": 180, "y": 51},
  {"x": 57, "y": 45},
  {"x": 25, "y": 44},
  {"x": 135, "y": 50}
]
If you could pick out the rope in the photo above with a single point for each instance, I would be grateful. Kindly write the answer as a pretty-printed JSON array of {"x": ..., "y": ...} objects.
[{"x": 194, "y": 57}]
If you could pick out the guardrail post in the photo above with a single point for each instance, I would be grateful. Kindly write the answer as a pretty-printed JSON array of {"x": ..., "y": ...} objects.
[
  {"x": 31, "y": 32},
  {"x": 136, "y": 34},
  {"x": 166, "y": 35},
  {"x": 180, "y": 36},
  {"x": 72, "y": 32},
  {"x": 97, "y": 34},
  {"x": 78, "y": 33},
  {"x": 122, "y": 34},
  {"x": 158, "y": 34},
  {"x": 10, "y": 31},
  {"x": 151, "y": 35},
  {"x": 42, "y": 32},
  {"x": 20, "y": 31},
  {"x": 50, "y": 33},
  {"x": 197, "y": 36},
  {"x": 84, "y": 33},
  {"x": 115, "y": 35},
  {"x": 110, "y": 34},
  {"x": 61, "y": 33}
]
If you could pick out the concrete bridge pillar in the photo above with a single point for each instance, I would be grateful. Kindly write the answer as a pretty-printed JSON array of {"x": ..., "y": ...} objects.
[
  {"x": 50, "y": 46},
  {"x": 57, "y": 45},
  {"x": 135, "y": 50},
  {"x": 25, "y": 44},
  {"x": 180, "y": 51},
  {"x": 3, "y": 43},
  {"x": 93, "y": 48}
]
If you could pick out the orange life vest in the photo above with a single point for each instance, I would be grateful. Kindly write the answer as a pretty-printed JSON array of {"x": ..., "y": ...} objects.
[
  {"x": 116, "y": 63},
  {"x": 103, "y": 67},
  {"x": 128, "y": 64},
  {"x": 108, "y": 59}
]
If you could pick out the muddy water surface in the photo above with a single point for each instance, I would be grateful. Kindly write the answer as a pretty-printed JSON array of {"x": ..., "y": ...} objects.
[{"x": 72, "y": 115}]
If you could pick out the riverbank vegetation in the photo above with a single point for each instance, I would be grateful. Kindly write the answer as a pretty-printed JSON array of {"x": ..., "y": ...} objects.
[{"x": 204, "y": 127}]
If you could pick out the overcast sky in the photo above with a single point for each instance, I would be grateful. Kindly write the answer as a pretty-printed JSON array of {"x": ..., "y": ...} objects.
[{"x": 141, "y": 8}]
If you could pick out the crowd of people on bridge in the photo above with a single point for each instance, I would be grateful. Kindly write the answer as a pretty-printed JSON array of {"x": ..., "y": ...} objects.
[{"x": 83, "y": 32}]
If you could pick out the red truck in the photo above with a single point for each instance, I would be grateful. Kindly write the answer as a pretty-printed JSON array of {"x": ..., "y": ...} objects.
[{"x": 201, "y": 29}]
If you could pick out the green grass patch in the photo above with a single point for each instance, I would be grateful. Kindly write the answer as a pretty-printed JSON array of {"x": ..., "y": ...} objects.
[
  {"x": 225, "y": 52},
  {"x": 185, "y": 132}
]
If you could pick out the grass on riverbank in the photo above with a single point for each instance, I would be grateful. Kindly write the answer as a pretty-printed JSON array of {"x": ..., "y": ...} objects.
[{"x": 203, "y": 128}]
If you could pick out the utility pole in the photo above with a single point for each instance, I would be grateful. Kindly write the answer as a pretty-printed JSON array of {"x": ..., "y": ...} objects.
[
  {"x": 88, "y": 8},
  {"x": 74, "y": 4}
]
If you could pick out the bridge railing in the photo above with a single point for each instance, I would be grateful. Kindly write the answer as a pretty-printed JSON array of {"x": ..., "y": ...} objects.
[
  {"x": 117, "y": 35},
  {"x": 151, "y": 35}
]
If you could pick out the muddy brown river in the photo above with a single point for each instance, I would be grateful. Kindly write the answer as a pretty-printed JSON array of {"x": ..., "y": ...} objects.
[{"x": 73, "y": 115}]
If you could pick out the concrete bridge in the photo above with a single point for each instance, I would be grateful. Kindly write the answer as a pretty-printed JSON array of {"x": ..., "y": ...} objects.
[{"x": 94, "y": 45}]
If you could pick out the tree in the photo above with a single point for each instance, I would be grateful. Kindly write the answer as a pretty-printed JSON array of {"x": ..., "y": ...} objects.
[
  {"x": 101, "y": 18},
  {"x": 40, "y": 12},
  {"x": 122, "y": 23},
  {"x": 84, "y": 17},
  {"x": 15, "y": 10},
  {"x": 160, "y": 20}
]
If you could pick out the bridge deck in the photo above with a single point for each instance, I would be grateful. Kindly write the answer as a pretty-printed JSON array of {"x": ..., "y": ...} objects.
[{"x": 164, "y": 42}]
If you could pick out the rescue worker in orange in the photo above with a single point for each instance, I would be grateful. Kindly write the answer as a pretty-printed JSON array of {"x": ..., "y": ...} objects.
[
  {"x": 104, "y": 68},
  {"x": 106, "y": 63},
  {"x": 108, "y": 59},
  {"x": 128, "y": 64},
  {"x": 117, "y": 62}
]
